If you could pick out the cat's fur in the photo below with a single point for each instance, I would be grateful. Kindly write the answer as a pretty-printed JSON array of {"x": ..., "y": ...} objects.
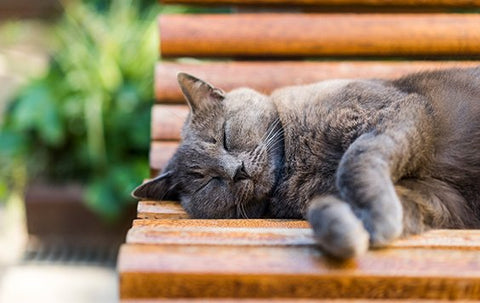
[{"x": 364, "y": 160}]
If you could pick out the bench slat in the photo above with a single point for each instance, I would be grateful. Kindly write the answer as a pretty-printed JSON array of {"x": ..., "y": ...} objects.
[
  {"x": 328, "y": 3},
  {"x": 281, "y": 35},
  {"x": 167, "y": 121},
  {"x": 160, "y": 210},
  {"x": 295, "y": 272},
  {"x": 272, "y": 233},
  {"x": 269, "y": 75},
  {"x": 160, "y": 153},
  {"x": 222, "y": 223},
  {"x": 270, "y": 300}
]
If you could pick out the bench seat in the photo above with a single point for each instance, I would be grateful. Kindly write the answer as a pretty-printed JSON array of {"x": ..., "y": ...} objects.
[
  {"x": 267, "y": 44},
  {"x": 260, "y": 258}
]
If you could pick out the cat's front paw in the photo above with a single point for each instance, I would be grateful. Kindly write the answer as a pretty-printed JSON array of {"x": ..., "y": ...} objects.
[
  {"x": 338, "y": 231},
  {"x": 382, "y": 226}
]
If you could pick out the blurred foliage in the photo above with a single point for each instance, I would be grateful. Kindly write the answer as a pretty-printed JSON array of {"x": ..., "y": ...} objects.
[{"x": 88, "y": 118}]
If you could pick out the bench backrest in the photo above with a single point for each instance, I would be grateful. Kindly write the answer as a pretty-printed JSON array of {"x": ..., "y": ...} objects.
[{"x": 303, "y": 41}]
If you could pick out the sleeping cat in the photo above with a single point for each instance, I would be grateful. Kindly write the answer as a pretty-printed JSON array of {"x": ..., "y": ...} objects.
[{"x": 365, "y": 161}]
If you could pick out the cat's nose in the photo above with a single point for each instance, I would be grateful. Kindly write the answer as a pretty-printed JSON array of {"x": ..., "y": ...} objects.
[{"x": 240, "y": 173}]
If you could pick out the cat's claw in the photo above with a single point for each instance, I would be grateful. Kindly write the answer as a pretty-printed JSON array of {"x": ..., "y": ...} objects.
[{"x": 338, "y": 231}]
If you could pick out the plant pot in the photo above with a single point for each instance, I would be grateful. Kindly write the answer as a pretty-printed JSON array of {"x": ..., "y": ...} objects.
[{"x": 58, "y": 213}]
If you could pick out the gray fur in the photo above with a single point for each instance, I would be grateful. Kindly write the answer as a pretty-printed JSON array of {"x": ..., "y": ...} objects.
[{"x": 366, "y": 161}]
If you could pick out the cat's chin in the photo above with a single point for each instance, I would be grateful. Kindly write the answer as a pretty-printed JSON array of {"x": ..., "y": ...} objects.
[{"x": 254, "y": 210}]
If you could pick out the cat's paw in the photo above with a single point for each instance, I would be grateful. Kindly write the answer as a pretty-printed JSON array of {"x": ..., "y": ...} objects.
[
  {"x": 382, "y": 226},
  {"x": 338, "y": 231}
]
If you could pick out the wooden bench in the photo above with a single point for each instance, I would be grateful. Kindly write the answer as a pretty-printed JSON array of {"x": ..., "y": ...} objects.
[{"x": 168, "y": 256}]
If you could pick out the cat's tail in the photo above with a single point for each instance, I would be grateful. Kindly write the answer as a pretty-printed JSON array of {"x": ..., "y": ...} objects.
[{"x": 338, "y": 231}]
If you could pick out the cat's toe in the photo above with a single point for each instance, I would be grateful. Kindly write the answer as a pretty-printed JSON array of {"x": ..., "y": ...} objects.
[
  {"x": 382, "y": 229},
  {"x": 385, "y": 233},
  {"x": 338, "y": 231}
]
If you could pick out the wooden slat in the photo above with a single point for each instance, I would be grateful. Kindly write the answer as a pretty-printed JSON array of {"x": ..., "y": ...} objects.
[
  {"x": 160, "y": 153},
  {"x": 275, "y": 300},
  {"x": 267, "y": 76},
  {"x": 281, "y": 35},
  {"x": 222, "y": 223},
  {"x": 269, "y": 300},
  {"x": 272, "y": 233},
  {"x": 167, "y": 121},
  {"x": 376, "y": 3},
  {"x": 169, "y": 271},
  {"x": 152, "y": 210},
  {"x": 222, "y": 232}
]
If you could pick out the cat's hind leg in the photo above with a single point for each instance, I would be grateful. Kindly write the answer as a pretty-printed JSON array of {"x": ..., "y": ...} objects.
[
  {"x": 336, "y": 228},
  {"x": 432, "y": 203}
]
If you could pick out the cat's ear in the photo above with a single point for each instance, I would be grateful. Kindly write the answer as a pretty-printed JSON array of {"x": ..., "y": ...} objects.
[
  {"x": 199, "y": 94},
  {"x": 159, "y": 188}
]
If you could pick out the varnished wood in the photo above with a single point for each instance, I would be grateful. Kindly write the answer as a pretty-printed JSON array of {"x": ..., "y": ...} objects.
[
  {"x": 282, "y": 35},
  {"x": 376, "y": 3},
  {"x": 295, "y": 272},
  {"x": 272, "y": 233},
  {"x": 167, "y": 121},
  {"x": 223, "y": 232},
  {"x": 152, "y": 210},
  {"x": 266, "y": 76},
  {"x": 208, "y": 300},
  {"x": 160, "y": 153},
  {"x": 223, "y": 223}
]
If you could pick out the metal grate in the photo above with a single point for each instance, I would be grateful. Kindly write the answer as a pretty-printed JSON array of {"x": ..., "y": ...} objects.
[{"x": 71, "y": 254}]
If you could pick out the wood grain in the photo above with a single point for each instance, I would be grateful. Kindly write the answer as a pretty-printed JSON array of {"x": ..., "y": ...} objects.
[
  {"x": 172, "y": 271},
  {"x": 160, "y": 154},
  {"x": 281, "y": 300},
  {"x": 376, "y": 3},
  {"x": 273, "y": 233},
  {"x": 167, "y": 121},
  {"x": 267, "y": 76},
  {"x": 223, "y": 223},
  {"x": 152, "y": 210},
  {"x": 223, "y": 232},
  {"x": 293, "y": 35}
]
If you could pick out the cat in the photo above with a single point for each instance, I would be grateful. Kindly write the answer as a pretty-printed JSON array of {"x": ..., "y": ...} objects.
[{"x": 365, "y": 161}]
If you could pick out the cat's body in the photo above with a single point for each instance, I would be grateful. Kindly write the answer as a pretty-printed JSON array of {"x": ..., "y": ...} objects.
[{"x": 363, "y": 160}]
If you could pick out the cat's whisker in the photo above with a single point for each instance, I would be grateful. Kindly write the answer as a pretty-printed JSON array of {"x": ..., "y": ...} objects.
[
  {"x": 271, "y": 138},
  {"x": 242, "y": 206},
  {"x": 239, "y": 213},
  {"x": 270, "y": 129},
  {"x": 278, "y": 136}
]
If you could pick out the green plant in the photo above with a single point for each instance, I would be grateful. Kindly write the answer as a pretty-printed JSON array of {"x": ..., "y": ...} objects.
[{"x": 87, "y": 119}]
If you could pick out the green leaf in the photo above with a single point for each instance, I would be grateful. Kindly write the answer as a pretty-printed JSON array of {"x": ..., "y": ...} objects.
[{"x": 102, "y": 199}]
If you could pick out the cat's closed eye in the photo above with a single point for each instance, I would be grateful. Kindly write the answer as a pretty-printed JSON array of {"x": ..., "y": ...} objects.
[
  {"x": 211, "y": 140},
  {"x": 197, "y": 175},
  {"x": 225, "y": 141}
]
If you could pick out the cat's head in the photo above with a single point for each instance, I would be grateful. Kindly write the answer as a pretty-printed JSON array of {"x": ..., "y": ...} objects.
[{"x": 230, "y": 156}]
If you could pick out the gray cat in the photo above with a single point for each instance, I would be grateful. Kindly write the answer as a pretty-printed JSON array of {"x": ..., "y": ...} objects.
[{"x": 365, "y": 161}]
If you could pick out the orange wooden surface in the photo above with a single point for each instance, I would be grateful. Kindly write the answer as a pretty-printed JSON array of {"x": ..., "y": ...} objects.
[
  {"x": 167, "y": 121},
  {"x": 408, "y": 3},
  {"x": 160, "y": 153},
  {"x": 281, "y": 35},
  {"x": 152, "y": 271},
  {"x": 222, "y": 223},
  {"x": 222, "y": 232},
  {"x": 200, "y": 300},
  {"x": 269, "y": 75},
  {"x": 268, "y": 232},
  {"x": 276, "y": 300},
  {"x": 160, "y": 210}
]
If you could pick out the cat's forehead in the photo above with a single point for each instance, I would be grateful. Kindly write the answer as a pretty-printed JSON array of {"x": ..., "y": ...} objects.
[
  {"x": 245, "y": 99},
  {"x": 193, "y": 153}
]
